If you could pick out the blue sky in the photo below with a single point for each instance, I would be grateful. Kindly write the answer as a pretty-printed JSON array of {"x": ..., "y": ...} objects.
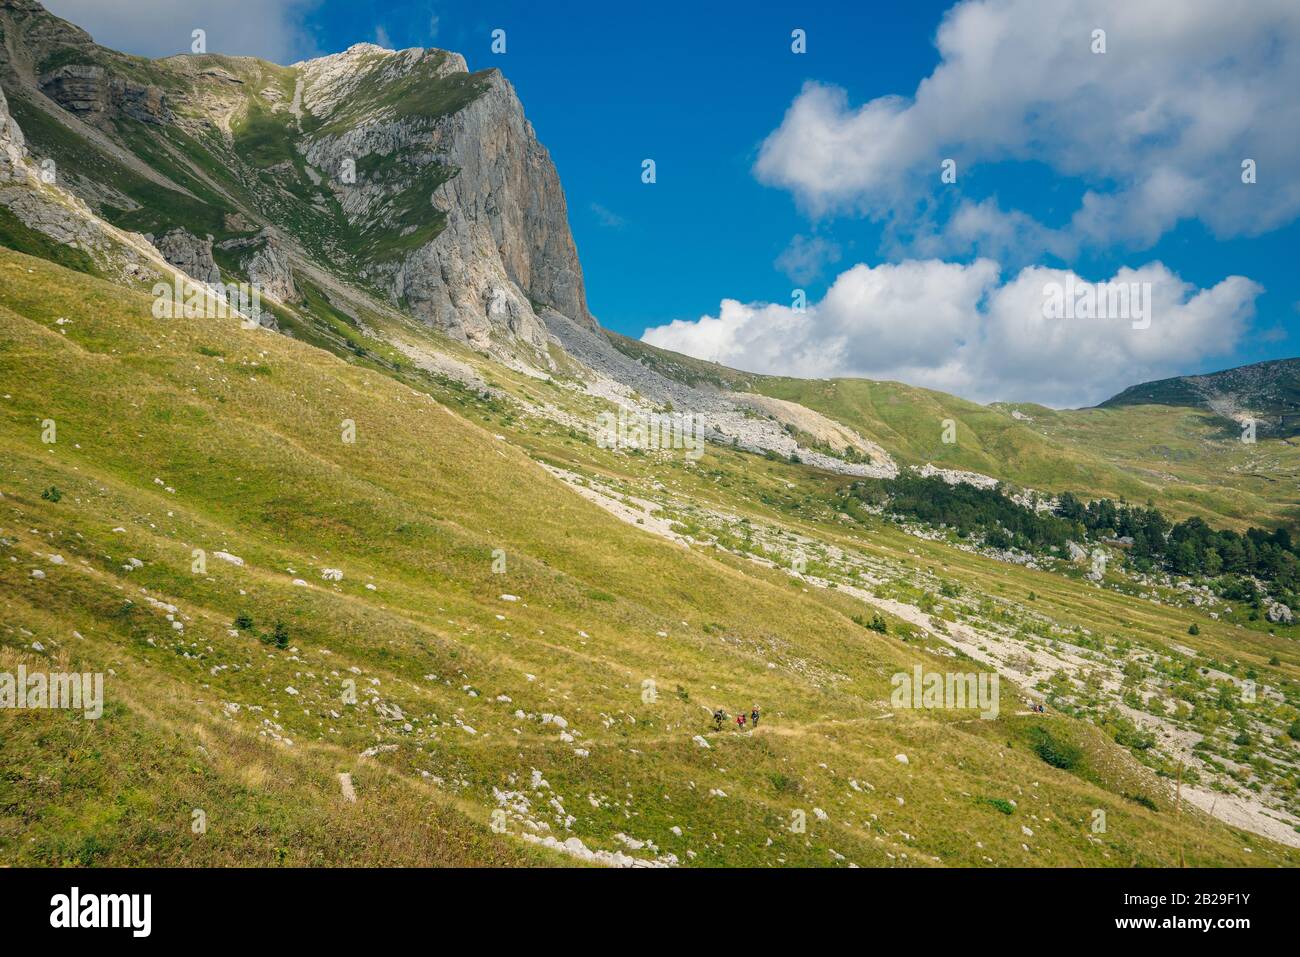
[{"x": 1068, "y": 160}]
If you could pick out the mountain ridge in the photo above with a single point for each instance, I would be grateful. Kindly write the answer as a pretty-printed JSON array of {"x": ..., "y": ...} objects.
[{"x": 1267, "y": 392}]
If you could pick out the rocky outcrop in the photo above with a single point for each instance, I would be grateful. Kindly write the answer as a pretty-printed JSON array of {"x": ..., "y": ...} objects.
[
  {"x": 12, "y": 148},
  {"x": 88, "y": 91},
  {"x": 190, "y": 254},
  {"x": 266, "y": 261}
]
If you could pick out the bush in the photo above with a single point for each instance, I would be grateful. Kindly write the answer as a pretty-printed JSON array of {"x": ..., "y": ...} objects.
[
  {"x": 1194, "y": 630},
  {"x": 52, "y": 494},
  {"x": 1142, "y": 799},
  {"x": 784, "y": 784},
  {"x": 244, "y": 622},
  {"x": 1057, "y": 753},
  {"x": 281, "y": 636},
  {"x": 1002, "y": 804},
  {"x": 877, "y": 623}
]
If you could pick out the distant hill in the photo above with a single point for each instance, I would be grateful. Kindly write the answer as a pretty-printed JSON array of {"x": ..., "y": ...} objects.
[{"x": 1268, "y": 391}]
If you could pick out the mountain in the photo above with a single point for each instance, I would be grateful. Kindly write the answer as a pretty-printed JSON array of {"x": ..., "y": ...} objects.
[
  {"x": 1267, "y": 392},
  {"x": 419, "y": 182},
  {"x": 368, "y": 583}
]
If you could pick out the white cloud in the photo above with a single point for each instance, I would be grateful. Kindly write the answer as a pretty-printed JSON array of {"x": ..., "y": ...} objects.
[
  {"x": 382, "y": 38},
  {"x": 959, "y": 328},
  {"x": 607, "y": 217},
  {"x": 1155, "y": 128},
  {"x": 806, "y": 257},
  {"x": 271, "y": 29}
]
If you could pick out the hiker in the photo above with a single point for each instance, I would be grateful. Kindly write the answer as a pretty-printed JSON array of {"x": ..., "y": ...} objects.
[
  {"x": 740, "y": 720},
  {"x": 719, "y": 716},
  {"x": 753, "y": 716}
]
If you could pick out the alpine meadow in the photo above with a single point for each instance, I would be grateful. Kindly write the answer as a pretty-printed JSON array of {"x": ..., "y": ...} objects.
[{"x": 337, "y": 531}]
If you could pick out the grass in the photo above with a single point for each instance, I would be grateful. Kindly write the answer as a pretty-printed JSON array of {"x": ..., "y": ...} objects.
[{"x": 174, "y": 436}]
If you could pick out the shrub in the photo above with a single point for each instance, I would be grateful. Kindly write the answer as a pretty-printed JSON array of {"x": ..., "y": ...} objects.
[
  {"x": 784, "y": 784},
  {"x": 1194, "y": 630},
  {"x": 877, "y": 623},
  {"x": 244, "y": 622},
  {"x": 281, "y": 636},
  {"x": 1142, "y": 799},
  {"x": 1057, "y": 753},
  {"x": 52, "y": 494},
  {"x": 1002, "y": 804}
]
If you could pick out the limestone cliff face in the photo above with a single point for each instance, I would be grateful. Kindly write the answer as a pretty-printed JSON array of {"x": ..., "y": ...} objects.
[
  {"x": 507, "y": 186},
  {"x": 90, "y": 91},
  {"x": 504, "y": 249}
]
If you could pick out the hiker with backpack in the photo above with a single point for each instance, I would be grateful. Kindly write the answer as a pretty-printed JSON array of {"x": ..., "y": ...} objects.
[
  {"x": 753, "y": 716},
  {"x": 719, "y": 716},
  {"x": 740, "y": 721}
]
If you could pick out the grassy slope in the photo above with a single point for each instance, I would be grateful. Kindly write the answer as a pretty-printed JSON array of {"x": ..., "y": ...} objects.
[
  {"x": 245, "y": 427},
  {"x": 1183, "y": 459}
]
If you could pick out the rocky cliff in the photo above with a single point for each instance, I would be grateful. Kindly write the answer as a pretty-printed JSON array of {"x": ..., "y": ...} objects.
[{"x": 502, "y": 247}]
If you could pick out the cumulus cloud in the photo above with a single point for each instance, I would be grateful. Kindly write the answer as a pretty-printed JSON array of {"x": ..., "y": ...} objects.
[
  {"x": 271, "y": 29},
  {"x": 1155, "y": 129},
  {"x": 960, "y": 328},
  {"x": 806, "y": 258}
]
